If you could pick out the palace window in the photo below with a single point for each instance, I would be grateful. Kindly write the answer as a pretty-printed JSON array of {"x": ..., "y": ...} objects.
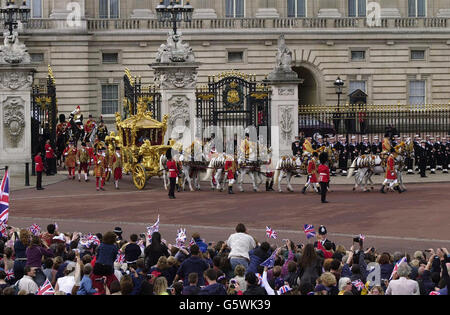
[
  {"x": 234, "y": 8},
  {"x": 109, "y": 9},
  {"x": 417, "y": 8},
  {"x": 355, "y": 85},
  {"x": 110, "y": 57},
  {"x": 36, "y": 8},
  {"x": 110, "y": 99},
  {"x": 417, "y": 92},
  {"x": 37, "y": 57},
  {"x": 235, "y": 56},
  {"x": 357, "y": 8},
  {"x": 418, "y": 54},
  {"x": 296, "y": 8},
  {"x": 358, "y": 55}
]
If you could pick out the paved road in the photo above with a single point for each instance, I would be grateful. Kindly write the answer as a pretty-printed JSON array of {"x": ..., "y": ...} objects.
[{"x": 416, "y": 219}]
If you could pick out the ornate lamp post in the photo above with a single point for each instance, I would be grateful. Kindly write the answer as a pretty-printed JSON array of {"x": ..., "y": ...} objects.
[
  {"x": 12, "y": 13},
  {"x": 174, "y": 13},
  {"x": 338, "y": 84}
]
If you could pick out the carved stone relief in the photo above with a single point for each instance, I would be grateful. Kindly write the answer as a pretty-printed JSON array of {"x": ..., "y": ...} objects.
[
  {"x": 286, "y": 123},
  {"x": 13, "y": 120}
]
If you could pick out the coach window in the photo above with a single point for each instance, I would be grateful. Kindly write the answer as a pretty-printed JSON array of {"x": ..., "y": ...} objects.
[
  {"x": 417, "y": 8},
  {"x": 357, "y": 8},
  {"x": 109, "y": 9},
  {"x": 296, "y": 8},
  {"x": 234, "y": 8}
]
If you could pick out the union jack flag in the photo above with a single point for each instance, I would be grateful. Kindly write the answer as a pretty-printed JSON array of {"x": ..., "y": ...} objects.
[
  {"x": 358, "y": 284},
  {"x": 284, "y": 289},
  {"x": 435, "y": 293},
  {"x": 362, "y": 237},
  {"x": 46, "y": 289},
  {"x": 270, "y": 233},
  {"x": 192, "y": 242},
  {"x": 181, "y": 237},
  {"x": 4, "y": 202},
  {"x": 152, "y": 229},
  {"x": 120, "y": 257},
  {"x": 396, "y": 267},
  {"x": 269, "y": 262},
  {"x": 56, "y": 227},
  {"x": 35, "y": 229},
  {"x": 93, "y": 239},
  {"x": 9, "y": 274},
  {"x": 309, "y": 231}
]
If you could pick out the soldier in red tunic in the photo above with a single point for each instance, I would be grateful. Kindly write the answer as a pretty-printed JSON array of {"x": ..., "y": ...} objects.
[
  {"x": 71, "y": 157},
  {"x": 391, "y": 174},
  {"x": 312, "y": 174},
  {"x": 100, "y": 166},
  {"x": 50, "y": 158},
  {"x": 117, "y": 166},
  {"x": 324, "y": 176},
  {"x": 83, "y": 158},
  {"x": 230, "y": 169},
  {"x": 89, "y": 127},
  {"x": 173, "y": 173},
  {"x": 39, "y": 167}
]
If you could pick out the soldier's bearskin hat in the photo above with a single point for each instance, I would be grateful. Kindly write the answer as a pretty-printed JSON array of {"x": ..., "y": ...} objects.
[
  {"x": 62, "y": 118},
  {"x": 323, "y": 157}
]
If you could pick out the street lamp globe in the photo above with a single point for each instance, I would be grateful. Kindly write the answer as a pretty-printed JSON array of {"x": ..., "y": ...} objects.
[
  {"x": 338, "y": 84},
  {"x": 161, "y": 11},
  {"x": 188, "y": 12}
]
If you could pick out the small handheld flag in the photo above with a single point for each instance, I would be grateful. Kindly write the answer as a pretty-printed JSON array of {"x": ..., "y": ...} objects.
[
  {"x": 396, "y": 267},
  {"x": 269, "y": 262},
  {"x": 309, "y": 231},
  {"x": 46, "y": 289},
  {"x": 270, "y": 233},
  {"x": 35, "y": 229},
  {"x": 152, "y": 229},
  {"x": 4, "y": 202}
]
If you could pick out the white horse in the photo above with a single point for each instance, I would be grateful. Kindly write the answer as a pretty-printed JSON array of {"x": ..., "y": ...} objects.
[
  {"x": 368, "y": 165},
  {"x": 288, "y": 166},
  {"x": 252, "y": 169},
  {"x": 217, "y": 165},
  {"x": 165, "y": 171},
  {"x": 191, "y": 169}
]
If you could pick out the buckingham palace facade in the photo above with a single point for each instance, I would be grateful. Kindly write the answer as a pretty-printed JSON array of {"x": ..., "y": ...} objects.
[{"x": 403, "y": 59}]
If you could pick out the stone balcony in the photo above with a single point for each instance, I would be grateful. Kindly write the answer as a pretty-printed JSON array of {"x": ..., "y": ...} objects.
[{"x": 104, "y": 25}]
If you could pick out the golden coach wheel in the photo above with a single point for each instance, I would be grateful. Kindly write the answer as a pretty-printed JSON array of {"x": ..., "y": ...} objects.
[{"x": 139, "y": 177}]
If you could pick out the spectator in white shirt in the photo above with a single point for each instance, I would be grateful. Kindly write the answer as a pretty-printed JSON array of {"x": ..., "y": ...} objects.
[
  {"x": 240, "y": 244},
  {"x": 27, "y": 283},
  {"x": 403, "y": 285}
]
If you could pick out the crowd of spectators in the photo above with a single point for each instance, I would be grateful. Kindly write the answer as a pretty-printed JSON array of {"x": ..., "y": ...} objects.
[{"x": 237, "y": 266}]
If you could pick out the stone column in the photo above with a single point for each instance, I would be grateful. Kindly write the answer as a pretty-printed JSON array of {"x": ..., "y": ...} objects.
[
  {"x": 284, "y": 107},
  {"x": 176, "y": 71},
  {"x": 177, "y": 87},
  {"x": 15, "y": 114}
]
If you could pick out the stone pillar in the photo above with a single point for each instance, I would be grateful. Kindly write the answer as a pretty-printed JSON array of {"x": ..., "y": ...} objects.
[
  {"x": 284, "y": 107},
  {"x": 177, "y": 87},
  {"x": 15, "y": 114},
  {"x": 176, "y": 71}
]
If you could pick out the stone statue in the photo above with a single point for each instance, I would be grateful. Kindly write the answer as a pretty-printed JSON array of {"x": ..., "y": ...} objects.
[
  {"x": 175, "y": 50},
  {"x": 284, "y": 55},
  {"x": 12, "y": 51},
  {"x": 283, "y": 68}
]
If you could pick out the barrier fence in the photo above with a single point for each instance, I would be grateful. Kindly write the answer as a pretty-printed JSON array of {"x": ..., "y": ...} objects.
[{"x": 374, "y": 120}]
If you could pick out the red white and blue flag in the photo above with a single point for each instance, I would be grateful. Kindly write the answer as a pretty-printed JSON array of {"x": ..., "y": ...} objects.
[
  {"x": 358, "y": 284},
  {"x": 152, "y": 229},
  {"x": 284, "y": 289},
  {"x": 181, "y": 237},
  {"x": 192, "y": 242},
  {"x": 4, "y": 202},
  {"x": 396, "y": 267},
  {"x": 9, "y": 274},
  {"x": 270, "y": 233},
  {"x": 46, "y": 289},
  {"x": 120, "y": 257},
  {"x": 141, "y": 245},
  {"x": 435, "y": 293},
  {"x": 35, "y": 229},
  {"x": 309, "y": 231},
  {"x": 269, "y": 262}
]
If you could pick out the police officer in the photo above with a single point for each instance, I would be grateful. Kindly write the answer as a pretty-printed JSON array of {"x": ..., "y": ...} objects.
[{"x": 322, "y": 237}]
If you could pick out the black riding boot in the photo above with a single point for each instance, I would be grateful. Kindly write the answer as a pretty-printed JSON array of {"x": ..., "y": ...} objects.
[
  {"x": 230, "y": 190},
  {"x": 304, "y": 190},
  {"x": 267, "y": 186},
  {"x": 382, "y": 190},
  {"x": 271, "y": 185}
]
